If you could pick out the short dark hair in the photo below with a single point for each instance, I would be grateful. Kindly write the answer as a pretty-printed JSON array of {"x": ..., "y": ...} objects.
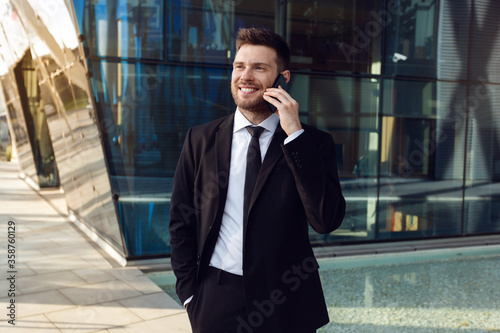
[{"x": 265, "y": 37}]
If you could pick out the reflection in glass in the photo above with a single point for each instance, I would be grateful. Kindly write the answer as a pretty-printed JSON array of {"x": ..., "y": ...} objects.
[
  {"x": 410, "y": 98},
  {"x": 204, "y": 30},
  {"x": 78, "y": 149},
  {"x": 347, "y": 108},
  {"x": 411, "y": 38},
  {"x": 145, "y": 122},
  {"x": 335, "y": 35},
  {"x": 145, "y": 227},
  {"x": 420, "y": 195},
  {"x": 482, "y": 175},
  {"x": 129, "y": 28},
  {"x": 38, "y": 131}
]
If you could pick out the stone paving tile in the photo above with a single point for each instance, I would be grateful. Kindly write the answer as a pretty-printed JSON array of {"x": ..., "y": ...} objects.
[
  {"x": 23, "y": 270},
  {"x": 38, "y": 324},
  {"x": 100, "y": 292},
  {"x": 65, "y": 251},
  {"x": 39, "y": 303},
  {"x": 126, "y": 273},
  {"x": 92, "y": 318},
  {"x": 63, "y": 264},
  {"x": 95, "y": 260},
  {"x": 93, "y": 275},
  {"x": 176, "y": 323},
  {"x": 27, "y": 255},
  {"x": 152, "y": 306},
  {"x": 143, "y": 284},
  {"x": 52, "y": 281}
]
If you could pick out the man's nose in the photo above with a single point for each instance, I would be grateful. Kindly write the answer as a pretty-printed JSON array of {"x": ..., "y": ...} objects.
[{"x": 246, "y": 75}]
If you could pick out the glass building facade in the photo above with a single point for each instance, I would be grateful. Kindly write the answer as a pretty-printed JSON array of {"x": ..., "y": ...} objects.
[{"x": 99, "y": 95}]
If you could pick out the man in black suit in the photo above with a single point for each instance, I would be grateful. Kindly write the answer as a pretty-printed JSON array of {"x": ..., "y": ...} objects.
[{"x": 239, "y": 231}]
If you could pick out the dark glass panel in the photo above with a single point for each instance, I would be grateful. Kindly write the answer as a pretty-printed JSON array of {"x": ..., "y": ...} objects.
[
  {"x": 203, "y": 30},
  {"x": 419, "y": 210},
  {"x": 409, "y": 147},
  {"x": 410, "y": 98},
  {"x": 411, "y": 41},
  {"x": 348, "y": 109},
  {"x": 421, "y": 187},
  {"x": 335, "y": 35}
]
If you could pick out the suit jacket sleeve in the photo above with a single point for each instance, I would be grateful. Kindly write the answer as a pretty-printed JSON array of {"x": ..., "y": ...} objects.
[
  {"x": 182, "y": 228},
  {"x": 312, "y": 159}
]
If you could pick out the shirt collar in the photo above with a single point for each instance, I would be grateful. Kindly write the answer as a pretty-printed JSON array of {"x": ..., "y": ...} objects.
[{"x": 240, "y": 122}]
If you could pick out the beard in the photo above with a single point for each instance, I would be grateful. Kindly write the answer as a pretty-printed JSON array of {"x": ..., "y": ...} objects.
[{"x": 254, "y": 104}]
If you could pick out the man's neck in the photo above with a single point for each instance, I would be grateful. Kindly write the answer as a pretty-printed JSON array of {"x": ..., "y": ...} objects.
[{"x": 256, "y": 117}]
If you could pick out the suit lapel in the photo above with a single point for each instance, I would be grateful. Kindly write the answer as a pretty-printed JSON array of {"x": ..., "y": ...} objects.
[
  {"x": 223, "y": 139},
  {"x": 273, "y": 155}
]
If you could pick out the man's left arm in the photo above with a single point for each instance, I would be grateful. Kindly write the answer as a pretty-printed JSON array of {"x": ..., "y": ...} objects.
[
  {"x": 314, "y": 166},
  {"x": 310, "y": 153}
]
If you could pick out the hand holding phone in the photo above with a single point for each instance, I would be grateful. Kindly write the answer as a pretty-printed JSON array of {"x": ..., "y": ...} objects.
[{"x": 280, "y": 81}]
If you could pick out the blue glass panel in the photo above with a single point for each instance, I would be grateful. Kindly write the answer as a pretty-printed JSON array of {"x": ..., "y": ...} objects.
[
  {"x": 79, "y": 6},
  {"x": 146, "y": 110},
  {"x": 145, "y": 227},
  {"x": 125, "y": 28}
]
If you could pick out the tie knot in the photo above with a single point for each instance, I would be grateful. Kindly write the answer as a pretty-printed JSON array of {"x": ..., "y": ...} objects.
[{"x": 255, "y": 131}]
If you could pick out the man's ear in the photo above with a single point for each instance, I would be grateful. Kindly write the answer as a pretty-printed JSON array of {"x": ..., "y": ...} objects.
[{"x": 286, "y": 74}]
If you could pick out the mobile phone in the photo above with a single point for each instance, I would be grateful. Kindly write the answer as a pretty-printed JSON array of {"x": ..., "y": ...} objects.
[{"x": 280, "y": 81}]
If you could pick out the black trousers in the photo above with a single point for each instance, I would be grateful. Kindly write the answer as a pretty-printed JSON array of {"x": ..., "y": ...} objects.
[{"x": 218, "y": 305}]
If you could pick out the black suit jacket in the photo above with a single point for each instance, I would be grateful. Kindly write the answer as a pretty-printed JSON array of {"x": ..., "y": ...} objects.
[{"x": 297, "y": 184}]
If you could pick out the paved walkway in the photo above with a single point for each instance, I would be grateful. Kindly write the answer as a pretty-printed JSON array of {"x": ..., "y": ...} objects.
[{"x": 61, "y": 282}]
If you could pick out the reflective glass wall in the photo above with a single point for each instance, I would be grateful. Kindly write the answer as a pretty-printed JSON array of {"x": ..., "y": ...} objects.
[
  {"x": 408, "y": 90},
  {"x": 46, "y": 92}
]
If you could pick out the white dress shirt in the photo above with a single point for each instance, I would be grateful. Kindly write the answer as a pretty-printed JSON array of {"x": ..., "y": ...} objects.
[{"x": 228, "y": 252}]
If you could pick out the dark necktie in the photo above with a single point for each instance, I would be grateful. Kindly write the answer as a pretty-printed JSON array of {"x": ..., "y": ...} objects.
[{"x": 253, "y": 166}]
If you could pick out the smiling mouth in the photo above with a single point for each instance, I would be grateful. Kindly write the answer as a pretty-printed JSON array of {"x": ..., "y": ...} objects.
[{"x": 248, "y": 90}]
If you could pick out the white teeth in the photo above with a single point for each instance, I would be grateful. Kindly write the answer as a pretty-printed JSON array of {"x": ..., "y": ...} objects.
[{"x": 247, "y": 89}]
